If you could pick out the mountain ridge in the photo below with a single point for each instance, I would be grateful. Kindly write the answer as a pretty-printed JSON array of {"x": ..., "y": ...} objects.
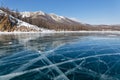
[{"x": 40, "y": 21}]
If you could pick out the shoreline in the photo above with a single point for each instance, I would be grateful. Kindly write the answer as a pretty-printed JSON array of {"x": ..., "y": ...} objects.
[{"x": 61, "y": 32}]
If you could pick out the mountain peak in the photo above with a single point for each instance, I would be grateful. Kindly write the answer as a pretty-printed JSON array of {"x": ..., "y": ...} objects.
[
  {"x": 56, "y": 17},
  {"x": 28, "y": 14},
  {"x": 39, "y": 12}
]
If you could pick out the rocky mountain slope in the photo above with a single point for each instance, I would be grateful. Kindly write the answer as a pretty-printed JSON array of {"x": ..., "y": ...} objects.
[
  {"x": 52, "y": 21},
  {"x": 8, "y": 23}
]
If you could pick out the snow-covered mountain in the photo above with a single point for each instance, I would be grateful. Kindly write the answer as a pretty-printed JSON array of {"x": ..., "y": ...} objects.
[
  {"x": 12, "y": 21},
  {"x": 51, "y": 21},
  {"x": 8, "y": 23},
  {"x": 56, "y": 22},
  {"x": 52, "y": 17}
]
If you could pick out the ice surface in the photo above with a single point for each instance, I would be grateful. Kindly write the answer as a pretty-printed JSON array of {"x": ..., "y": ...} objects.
[{"x": 60, "y": 56}]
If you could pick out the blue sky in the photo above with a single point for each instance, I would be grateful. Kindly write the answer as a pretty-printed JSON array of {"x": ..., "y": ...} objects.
[{"x": 86, "y": 11}]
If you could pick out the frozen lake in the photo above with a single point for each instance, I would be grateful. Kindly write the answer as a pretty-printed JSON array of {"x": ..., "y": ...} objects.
[{"x": 60, "y": 56}]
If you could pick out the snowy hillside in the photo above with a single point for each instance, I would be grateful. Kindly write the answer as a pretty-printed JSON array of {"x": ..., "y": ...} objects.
[
  {"x": 51, "y": 16},
  {"x": 18, "y": 25}
]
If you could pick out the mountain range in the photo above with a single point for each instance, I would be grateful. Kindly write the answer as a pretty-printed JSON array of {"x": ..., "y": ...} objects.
[{"x": 14, "y": 21}]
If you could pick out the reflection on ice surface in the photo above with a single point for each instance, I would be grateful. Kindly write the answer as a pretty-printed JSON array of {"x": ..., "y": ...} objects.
[{"x": 60, "y": 56}]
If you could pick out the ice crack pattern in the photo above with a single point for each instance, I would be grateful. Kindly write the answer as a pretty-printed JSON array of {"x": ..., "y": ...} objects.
[{"x": 60, "y": 56}]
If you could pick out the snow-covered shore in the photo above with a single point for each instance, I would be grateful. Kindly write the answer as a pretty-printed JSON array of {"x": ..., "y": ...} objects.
[{"x": 62, "y": 32}]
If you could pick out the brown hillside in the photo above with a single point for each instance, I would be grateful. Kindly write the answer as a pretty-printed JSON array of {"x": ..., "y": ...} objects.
[{"x": 6, "y": 24}]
